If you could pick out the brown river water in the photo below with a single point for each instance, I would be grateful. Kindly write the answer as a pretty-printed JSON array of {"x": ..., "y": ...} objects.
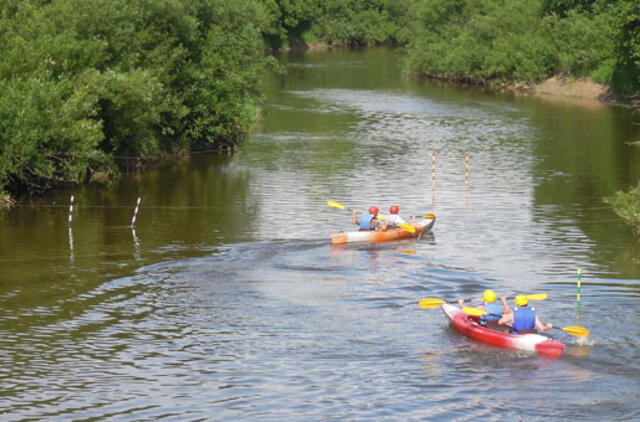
[{"x": 227, "y": 302}]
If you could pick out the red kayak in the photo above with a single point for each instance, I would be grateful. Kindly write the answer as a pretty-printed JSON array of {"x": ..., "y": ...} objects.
[{"x": 469, "y": 326}]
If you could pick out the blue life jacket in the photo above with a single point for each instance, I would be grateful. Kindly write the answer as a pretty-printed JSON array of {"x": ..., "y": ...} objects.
[
  {"x": 366, "y": 222},
  {"x": 492, "y": 308},
  {"x": 523, "y": 319}
]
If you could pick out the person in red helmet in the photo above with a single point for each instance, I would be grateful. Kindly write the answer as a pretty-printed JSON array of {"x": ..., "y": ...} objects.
[
  {"x": 393, "y": 219},
  {"x": 368, "y": 221}
]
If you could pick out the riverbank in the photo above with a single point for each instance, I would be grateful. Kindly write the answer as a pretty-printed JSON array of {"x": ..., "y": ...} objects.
[
  {"x": 556, "y": 88},
  {"x": 565, "y": 86},
  {"x": 569, "y": 88}
]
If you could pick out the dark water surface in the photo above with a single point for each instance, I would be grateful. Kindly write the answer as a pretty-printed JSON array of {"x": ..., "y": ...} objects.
[{"x": 228, "y": 303}]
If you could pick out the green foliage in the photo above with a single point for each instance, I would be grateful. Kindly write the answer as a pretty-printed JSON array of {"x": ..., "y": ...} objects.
[
  {"x": 284, "y": 21},
  {"x": 583, "y": 41},
  {"x": 49, "y": 133},
  {"x": 83, "y": 84},
  {"x": 339, "y": 22},
  {"x": 562, "y": 7},
  {"x": 627, "y": 206},
  {"x": 481, "y": 40},
  {"x": 626, "y": 23},
  {"x": 222, "y": 105},
  {"x": 604, "y": 72}
]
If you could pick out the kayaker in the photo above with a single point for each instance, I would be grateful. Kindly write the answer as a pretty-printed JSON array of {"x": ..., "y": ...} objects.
[
  {"x": 369, "y": 221},
  {"x": 393, "y": 219},
  {"x": 523, "y": 319},
  {"x": 493, "y": 309}
]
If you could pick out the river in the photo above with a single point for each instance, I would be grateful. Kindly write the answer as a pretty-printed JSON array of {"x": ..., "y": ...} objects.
[{"x": 227, "y": 302}]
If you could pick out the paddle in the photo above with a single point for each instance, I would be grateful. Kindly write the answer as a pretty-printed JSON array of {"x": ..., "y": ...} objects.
[
  {"x": 537, "y": 296},
  {"x": 431, "y": 302},
  {"x": 407, "y": 227},
  {"x": 573, "y": 330},
  {"x": 404, "y": 226},
  {"x": 339, "y": 206}
]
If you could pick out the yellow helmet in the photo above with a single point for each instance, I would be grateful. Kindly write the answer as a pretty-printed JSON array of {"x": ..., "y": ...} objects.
[
  {"x": 521, "y": 300},
  {"x": 489, "y": 296}
]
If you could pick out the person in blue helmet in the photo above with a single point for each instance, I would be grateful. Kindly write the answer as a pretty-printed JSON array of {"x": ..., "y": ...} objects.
[
  {"x": 493, "y": 309},
  {"x": 368, "y": 222},
  {"x": 523, "y": 319}
]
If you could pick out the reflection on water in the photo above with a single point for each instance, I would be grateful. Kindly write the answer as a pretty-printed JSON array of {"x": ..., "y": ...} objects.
[{"x": 222, "y": 296}]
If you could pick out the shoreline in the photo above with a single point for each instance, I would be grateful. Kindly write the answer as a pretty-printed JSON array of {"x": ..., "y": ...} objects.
[{"x": 561, "y": 87}]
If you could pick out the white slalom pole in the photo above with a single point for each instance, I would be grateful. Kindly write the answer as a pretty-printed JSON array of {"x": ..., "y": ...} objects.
[
  {"x": 433, "y": 171},
  {"x": 71, "y": 257},
  {"x": 433, "y": 180},
  {"x": 71, "y": 210},
  {"x": 135, "y": 212}
]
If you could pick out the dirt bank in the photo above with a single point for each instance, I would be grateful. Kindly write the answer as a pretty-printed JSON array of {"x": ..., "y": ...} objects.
[
  {"x": 6, "y": 201},
  {"x": 574, "y": 88}
]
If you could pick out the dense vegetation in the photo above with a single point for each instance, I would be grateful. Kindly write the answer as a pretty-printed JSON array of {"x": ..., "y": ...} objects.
[{"x": 86, "y": 83}]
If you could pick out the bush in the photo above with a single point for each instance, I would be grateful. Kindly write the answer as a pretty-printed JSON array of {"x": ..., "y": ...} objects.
[
  {"x": 481, "y": 40},
  {"x": 627, "y": 206}
]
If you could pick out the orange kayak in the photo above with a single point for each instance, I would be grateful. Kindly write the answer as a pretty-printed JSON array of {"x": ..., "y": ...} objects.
[{"x": 421, "y": 226}]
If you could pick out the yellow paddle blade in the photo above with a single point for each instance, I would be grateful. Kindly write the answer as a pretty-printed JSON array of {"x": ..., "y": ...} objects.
[
  {"x": 408, "y": 227},
  {"x": 473, "y": 311},
  {"x": 429, "y": 215},
  {"x": 430, "y": 302},
  {"x": 335, "y": 205},
  {"x": 537, "y": 296},
  {"x": 381, "y": 217},
  {"x": 576, "y": 331}
]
